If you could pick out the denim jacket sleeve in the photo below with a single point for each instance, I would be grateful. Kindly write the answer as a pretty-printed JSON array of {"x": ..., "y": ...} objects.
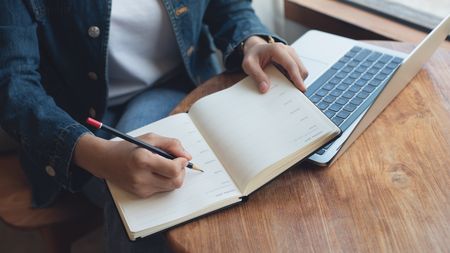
[
  {"x": 46, "y": 133},
  {"x": 231, "y": 22}
]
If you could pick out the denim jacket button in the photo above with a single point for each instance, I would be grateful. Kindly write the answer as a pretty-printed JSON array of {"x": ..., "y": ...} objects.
[
  {"x": 180, "y": 11},
  {"x": 93, "y": 76},
  {"x": 94, "y": 31},
  {"x": 50, "y": 171},
  {"x": 92, "y": 112},
  {"x": 190, "y": 50}
]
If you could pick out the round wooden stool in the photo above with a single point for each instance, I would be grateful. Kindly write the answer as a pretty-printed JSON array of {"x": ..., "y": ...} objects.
[{"x": 61, "y": 224}]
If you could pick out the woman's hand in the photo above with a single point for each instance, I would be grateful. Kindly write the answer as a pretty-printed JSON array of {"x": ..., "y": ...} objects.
[
  {"x": 258, "y": 53},
  {"x": 133, "y": 169}
]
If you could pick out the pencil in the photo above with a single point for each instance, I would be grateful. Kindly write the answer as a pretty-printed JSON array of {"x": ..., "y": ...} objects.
[{"x": 153, "y": 149}]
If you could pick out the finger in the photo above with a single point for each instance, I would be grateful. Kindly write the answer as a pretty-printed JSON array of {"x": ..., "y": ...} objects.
[
  {"x": 161, "y": 183},
  {"x": 251, "y": 67},
  {"x": 173, "y": 146},
  {"x": 303, "y": 71},
  {"x": 302, "y": 68},
  {"x": 166, "y": 167},
  {"x": 170, "y": 145},
  {"x": 143, "y": 159},
  {"x": 151, "y": 183},
  {"x": 285, "y": 60}
]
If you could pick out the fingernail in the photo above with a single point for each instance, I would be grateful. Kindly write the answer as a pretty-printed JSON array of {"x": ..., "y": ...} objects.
[
  {"x": 303, "y": 88},
  {"x": 263, "y": 86}
]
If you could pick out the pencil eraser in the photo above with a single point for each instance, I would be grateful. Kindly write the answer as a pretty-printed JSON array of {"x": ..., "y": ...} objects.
[{"x": 94, "y": 123}]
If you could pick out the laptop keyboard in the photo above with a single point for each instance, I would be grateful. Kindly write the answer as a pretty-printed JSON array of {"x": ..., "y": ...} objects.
[{"x": 348, "y": 88}]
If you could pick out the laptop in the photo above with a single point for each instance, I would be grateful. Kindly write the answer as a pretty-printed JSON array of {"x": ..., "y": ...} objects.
[{"x": 351, "y": 82}]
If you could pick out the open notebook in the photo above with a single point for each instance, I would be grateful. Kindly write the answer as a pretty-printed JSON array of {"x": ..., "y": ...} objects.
[{"x": 241, "y": 139}]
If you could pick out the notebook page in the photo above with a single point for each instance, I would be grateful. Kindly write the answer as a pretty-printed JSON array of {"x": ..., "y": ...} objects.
[
  {"x": 250, "y": 131},
  {"x": 199, "y": 190}
]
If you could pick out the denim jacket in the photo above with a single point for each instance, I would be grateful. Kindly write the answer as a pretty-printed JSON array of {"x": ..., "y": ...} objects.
[{"x": 53, "y": 66}]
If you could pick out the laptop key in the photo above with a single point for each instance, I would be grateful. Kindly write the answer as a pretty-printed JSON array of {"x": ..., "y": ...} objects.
[
  {"x": 329, "y": 99},
  {"x": 353, "y": 63},
  {"x": 363, "y": 54},
  {"x": 347, "y": 69},
  {"x": 378, "y": 65},
  {"x": 380, "y": 76},
  {"x": 368, "y": 76},
  {"x": 350, "y": 54},
  {"x": 385, "y": 58},
  {"x": 392, "y": 65},
  {"x": 335, "y": 107},
  {"x": 348, "y": 94},
  {"x": 345, "y": 59},
  {"x": 374, "y": 56},
  {"x": 341, "y": 101},
  {"x": 361, "y": 69},
  {"x": 374, "y": 82},
  {"x": 323, "y": 105},
  {"x": 337, "y": 120},
  {"x": 355, "y": 49},
  {"x": 322, "y": 92},
  {"x": 362, "y": 95},
  {"x": 335, "y": 80},
  {"x": 341, "y": 75},
  {"x": 397, "y": 60},
  {"x": 355, "y": 75},
  {"x": 360, "y": 82},
  {"x": 328, "y": 86},
  {"x": 342, "y": 86},
  {"x": 350, "y": 107},
  {"x": 356, "y": 101},
  {"x": 338, "y": 65},
  {"x": 343, "y": 114},
  {"x": 366, "y": 63},
  {"x": 386, "y": 71},
  {"x": 372, "y": 71},
  {"x": 348, "y": 80},
  {"x": 315, "y": 99},
  {"x": 329, "y": 113},
  {"x": 336, "y": 93},
  {"x": 369, "y": 89},
  {"x": 355, "y": 88}
]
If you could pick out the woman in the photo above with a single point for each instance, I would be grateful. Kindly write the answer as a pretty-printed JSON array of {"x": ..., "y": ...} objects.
[{"x": 127, "y": 63}]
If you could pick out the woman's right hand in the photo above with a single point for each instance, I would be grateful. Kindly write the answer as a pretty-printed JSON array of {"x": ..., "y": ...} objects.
[{"x": 132, "y": 168}]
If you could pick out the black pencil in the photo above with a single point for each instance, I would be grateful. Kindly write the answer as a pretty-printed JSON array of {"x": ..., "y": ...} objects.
[{"x": 153, "y": 149}]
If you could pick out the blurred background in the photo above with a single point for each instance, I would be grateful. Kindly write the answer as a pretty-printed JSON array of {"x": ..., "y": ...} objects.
[{"x": 421, "y": 14}]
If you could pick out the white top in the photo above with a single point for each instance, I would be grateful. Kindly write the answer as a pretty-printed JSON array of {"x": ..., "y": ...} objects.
[{"x": 142, "y": 47}]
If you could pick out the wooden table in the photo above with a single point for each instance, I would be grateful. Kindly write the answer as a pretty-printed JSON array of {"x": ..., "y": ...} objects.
[
  {"x": 347, "y": 20},
  {"x": 388, "y": 193}
]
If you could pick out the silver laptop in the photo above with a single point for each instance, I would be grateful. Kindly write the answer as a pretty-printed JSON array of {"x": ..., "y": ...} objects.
[{"x": 352, "y": 81}]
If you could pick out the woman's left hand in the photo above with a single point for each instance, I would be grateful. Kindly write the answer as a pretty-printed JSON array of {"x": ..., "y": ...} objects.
[{"x": 258, "y": 53}]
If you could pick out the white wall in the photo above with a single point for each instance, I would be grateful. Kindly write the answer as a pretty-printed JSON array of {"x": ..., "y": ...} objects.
[{"x": 271, "y": 13}]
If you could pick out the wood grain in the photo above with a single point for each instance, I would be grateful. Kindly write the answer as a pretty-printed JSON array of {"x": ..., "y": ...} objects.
[
  {"x": 346, "y": 20},
  {"x": 388, "y": 193}
]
